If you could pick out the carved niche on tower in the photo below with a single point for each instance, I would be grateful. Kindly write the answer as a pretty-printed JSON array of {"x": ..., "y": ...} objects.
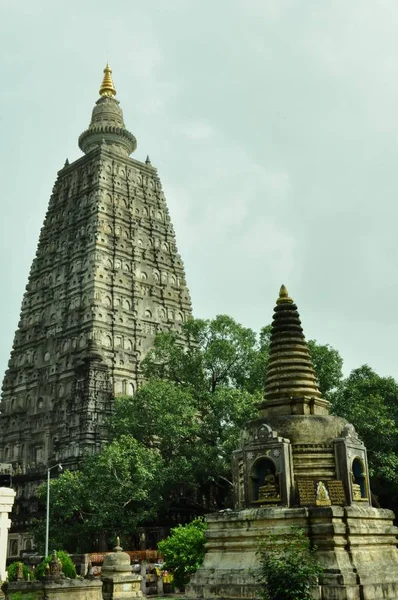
[
  {"x": 262, "y": 468},
  {"x": 352, "y": 466},
  {"x": 92, "y": 396}
]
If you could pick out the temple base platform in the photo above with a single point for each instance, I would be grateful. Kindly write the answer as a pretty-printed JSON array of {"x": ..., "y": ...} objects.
[{"x": 357, "y": 547}]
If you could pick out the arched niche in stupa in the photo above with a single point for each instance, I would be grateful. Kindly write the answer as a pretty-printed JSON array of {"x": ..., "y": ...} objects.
[
  {"x": 262, "y": 467},
  {"x": 352, "y": 465},
  {"x": 359, "y": 480},
  {"x": 264, "y": 481}
]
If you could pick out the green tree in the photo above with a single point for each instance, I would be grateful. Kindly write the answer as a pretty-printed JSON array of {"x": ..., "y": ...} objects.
[
  {"x": 204, "y": 355},
  {"x": 184, "y": 550},
  {"x": 193, "y": 435},
  {"x": 221, "y": 352},
  {"x": 113, "y": 491},
  {"x": 193, "y": 407},
  {"x": 258, "y": 368},
  {"x": 289, "y": 566},
  {"x": 370, "y": 403},
  {"x": 67, "y": 510},
  {"x": 328, "y": 366},
  {"x": 68, "y": 567}
]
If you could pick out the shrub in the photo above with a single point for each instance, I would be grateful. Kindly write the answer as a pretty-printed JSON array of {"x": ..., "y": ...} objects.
[
  {"x": 68, "y": 568},
  {"x": 13, "y": 570},
  {"x": 289, "y": 566},
  {"x": 184, "y": 550}
]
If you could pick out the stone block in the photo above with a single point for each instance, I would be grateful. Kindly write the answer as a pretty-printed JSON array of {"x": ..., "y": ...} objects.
[
  {"x": 123, "y": 587},
  {"x": 63, "y": 589},
  {"x": 356, "y": 545}
]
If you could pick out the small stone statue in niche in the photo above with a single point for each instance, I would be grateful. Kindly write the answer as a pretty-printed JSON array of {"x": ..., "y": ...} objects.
[
  {"x": 270, "y": 489},
  {"x": 356, "y": 490},
  {"x": 20, "y": 576},
  {"x": 265, "y": 482},
  {"x": 358, "y": 483},
  {"x": 322, "y": 495},
  {"x": 54, "y": 570}
]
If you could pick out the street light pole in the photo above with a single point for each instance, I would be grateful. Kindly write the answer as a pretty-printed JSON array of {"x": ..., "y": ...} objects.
[{"x": 48, "y": 505}]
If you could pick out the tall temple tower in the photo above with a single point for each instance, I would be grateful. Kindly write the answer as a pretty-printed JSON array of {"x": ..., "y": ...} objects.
[{"x": 106, "y": 278}]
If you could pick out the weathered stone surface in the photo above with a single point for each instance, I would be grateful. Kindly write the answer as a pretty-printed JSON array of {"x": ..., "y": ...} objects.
[
  {"x": 356, "y": 545},
  {"x": 291, "y": 386},
  {"x": 122, "y": 587},
  {"x": 106, "y": 278},
  {"x": 64, "y": 589}
]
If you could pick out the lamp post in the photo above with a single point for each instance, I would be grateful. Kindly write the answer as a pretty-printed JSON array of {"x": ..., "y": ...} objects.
[{"x": 48, "y": 504}]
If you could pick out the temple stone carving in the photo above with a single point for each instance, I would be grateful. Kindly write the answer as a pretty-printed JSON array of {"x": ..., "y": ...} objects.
[
  {"x": 106, "y": 278},
  {"x": 297, "y": 465}
]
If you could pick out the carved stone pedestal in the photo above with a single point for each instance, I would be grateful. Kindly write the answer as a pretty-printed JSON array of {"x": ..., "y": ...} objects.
[{"x": 122, "y": 587}]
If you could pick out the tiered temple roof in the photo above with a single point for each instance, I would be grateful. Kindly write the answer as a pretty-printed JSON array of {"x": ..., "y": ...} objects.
[{"x": 291, "y": 383}]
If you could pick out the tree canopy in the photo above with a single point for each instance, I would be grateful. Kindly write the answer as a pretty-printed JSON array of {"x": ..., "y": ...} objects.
[
  {"x": 207, "y": 354},
  {"x": 370, "y": 403},
  {"x": 204, "y": 355},
  {"x": 113, "y": 492},
  {"x": 193, "y": 406},
  {"x": 184, "y": 550}
]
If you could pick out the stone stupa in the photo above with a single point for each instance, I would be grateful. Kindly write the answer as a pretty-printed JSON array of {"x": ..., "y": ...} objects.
[
  {"x": 297, "y": 465},
  {"x": 119, "y": 582}
]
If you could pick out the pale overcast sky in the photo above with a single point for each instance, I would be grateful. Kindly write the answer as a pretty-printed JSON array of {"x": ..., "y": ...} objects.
[{"x": 273, "y": 125}]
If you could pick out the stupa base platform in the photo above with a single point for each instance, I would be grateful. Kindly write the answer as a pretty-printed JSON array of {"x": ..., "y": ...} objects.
[{"x": 356, "y": 545}]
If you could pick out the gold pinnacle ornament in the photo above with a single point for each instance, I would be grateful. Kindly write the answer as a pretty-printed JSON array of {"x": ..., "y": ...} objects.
[
  {"x": 107, "y": 88},
  {"x": 284, "y": 296}
]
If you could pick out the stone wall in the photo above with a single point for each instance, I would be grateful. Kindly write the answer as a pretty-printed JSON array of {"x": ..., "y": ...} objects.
[{"x": 66, "y": 589}]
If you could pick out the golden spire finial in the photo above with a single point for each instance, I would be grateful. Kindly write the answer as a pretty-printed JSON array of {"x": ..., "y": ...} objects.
[
  {"x": 107, "y": 88},
  {"x": 284, "y": 296}
]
